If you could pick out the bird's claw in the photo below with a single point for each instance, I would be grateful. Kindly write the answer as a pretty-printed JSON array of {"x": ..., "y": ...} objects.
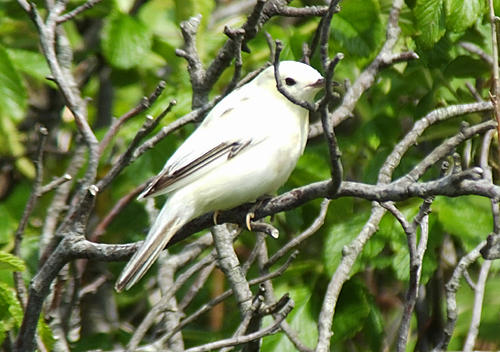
[
  {"x": 216, "y": 214},
  {"x": 249, "y": 217}
]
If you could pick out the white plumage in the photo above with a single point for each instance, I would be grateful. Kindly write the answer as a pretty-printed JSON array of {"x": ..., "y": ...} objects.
[{"x": 245, "y": 148}]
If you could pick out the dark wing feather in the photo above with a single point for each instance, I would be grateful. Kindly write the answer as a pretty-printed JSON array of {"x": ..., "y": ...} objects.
[{"x": 171, "y": 175}]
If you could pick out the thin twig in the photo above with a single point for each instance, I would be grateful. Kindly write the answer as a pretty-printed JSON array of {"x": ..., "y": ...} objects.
[
  {"x": 239, "y": 340},
  {"x": 30, "y": 206},
  {"x": 129, "y": 155},
  {"x": 472, "y": 48},
  {"x": 100, "y": 229},
  {"x": 311, "y": 230},
  {"x": 207, "y": 306},
  {"x": 242, "y": 328},
  {"x": 145, "y": 103},
  {"x": 162, "y": 305},
  {"x": 54, "y": 184},
  {"x": 495, "y": 98},
  {"x": 470, "y": 341},
  {"x": 72, "y": 14},
  {"x": 451, "y": 291}
]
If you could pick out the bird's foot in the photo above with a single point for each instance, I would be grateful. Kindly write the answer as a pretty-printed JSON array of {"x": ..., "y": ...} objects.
[
  {"x": 249, "y": 217},
  {"x": 216, "y": 214},
  {"x": 251, "y": 211}
]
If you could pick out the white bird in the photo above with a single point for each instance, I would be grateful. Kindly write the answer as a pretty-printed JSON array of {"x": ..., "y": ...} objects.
[{"x": 245, "y": 148}]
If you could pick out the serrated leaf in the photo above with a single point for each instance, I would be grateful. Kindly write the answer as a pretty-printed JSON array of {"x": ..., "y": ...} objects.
[
  {"x": 11, "y": 313},
  {"x": 13, "y": 97},
  {"x": 462, "y": 14},
  {"x": 358, "y": 27},
  {"x": 11, "y": 262},
  {"x": 431, "y": 21},
  {"x": 466, "y": 218},
  {"x": 126, "y": 41}
]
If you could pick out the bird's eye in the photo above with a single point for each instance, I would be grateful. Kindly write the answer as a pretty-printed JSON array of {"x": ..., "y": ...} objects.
[{"x": 290, "y": 81}]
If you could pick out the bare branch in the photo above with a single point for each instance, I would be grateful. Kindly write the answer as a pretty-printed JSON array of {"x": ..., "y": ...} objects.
[
  {"x": 72, "y": 14},
  {"x": 470, "y": 341},
  {"x": 478, "y": 51},
  {"x": 206, "y": 307},
  {"x": 239, "y": 340},
  {"x": 315, "y": 226},
  {"x": 229, "y": 264},
  {"x": 30, "y": 206},
  {"x": 55, "y": 184},
  {"x": 438, "y": 115},
  {"x": 141, "y": 107},
  {"x": 129, "y": 155},
  {"x": 451, "y": 290},
  {"x": 341, "y": 275},
  {"x": 163, "y": 304}
]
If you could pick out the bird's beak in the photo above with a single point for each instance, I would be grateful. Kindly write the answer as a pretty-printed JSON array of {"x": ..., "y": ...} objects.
[{"x": 320, "y": 83}]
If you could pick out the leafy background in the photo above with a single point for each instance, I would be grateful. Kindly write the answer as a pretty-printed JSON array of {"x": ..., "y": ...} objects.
[{"x": 121, "y": 52}]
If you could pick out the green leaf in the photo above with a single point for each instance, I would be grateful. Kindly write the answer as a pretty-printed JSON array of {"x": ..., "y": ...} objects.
[
  {"x": 300, "y": 319},
  {"x": 126, "y": 41},
  {"x": 351, "y": 311},
  {"x": 313, "y": 166},
  {"x": 10, "y": 262},
  {"x": 160, "y": 17},
  {"x": 12, "y": 146},
  {"x": 30, "y": 63},
  {"x": 496, "y": 5},
  {"x": 11, "y": 314},
  {"x": 401, "y": 262},
  {"x": 467, "y": 218},
  {"x": 466, "y": 66},
  {"x": 8, "y": 224},
  {"x": 431, "y": 21},
  {"x": 46, "y": 335},
  {"x": 358, "y": 27},
  {"x": 462, "y": 14},
  {"x": 188, "y": 8},
  {"x": 13, "y": 97},
  {"x": 374, "y": 326},
  {"x": 340, "y": 236}
]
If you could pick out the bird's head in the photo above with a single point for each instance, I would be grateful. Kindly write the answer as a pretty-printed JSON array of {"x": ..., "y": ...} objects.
[{"x": 301, "y": 80}]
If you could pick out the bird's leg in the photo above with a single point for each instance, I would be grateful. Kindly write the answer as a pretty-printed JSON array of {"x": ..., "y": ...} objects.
[{"x": 257, "y": 205}]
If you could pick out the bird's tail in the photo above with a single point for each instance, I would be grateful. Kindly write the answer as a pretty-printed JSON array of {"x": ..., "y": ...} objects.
[{"x": 160, "y": 234}]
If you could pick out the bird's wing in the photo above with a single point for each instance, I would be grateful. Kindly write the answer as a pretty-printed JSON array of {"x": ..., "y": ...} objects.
[
  {"x": 178, "y": 174},
  {"x": 225, "y": 132}
]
